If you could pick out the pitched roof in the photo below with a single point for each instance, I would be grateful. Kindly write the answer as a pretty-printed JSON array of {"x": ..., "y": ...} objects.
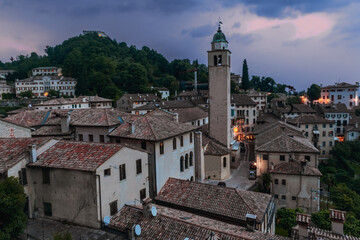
[
  {"x": 12, "y": 150},
  {"x": 175, "y": 224},
  {"x": 174, "y": 104},
  {"x": 333, "y": 108},
  {"x": 296, "y": 108},
  {"x": 146, "y": 97},
  {"x": 215, "y": 200},
  {"x": 308, "y": 118},
  {"x": 29, "y": 118},
  {"x": 49, "y": 131},
  {"x": 289, "y": 144},
  {"x": 98, "y": 117},
  {"x": 74, "y": 100},
  {"x": 295, "y": 168},
  {"x": 342, "y": 85},
  {"x": 213, "y": 147},
  {"x": 83, "y": 156},
  {"x": 190, "y": 114},
  {"x": 152, "y": 128},
  {"x": 242, "y": 100},
  {"x": 187, "y": 94}
]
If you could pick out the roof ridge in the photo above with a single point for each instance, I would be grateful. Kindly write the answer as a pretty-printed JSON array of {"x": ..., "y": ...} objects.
[
  {"x": 151, "y": 128},
  {"x": 238, "y": 193},
  {"x": 269, "y": 141}
]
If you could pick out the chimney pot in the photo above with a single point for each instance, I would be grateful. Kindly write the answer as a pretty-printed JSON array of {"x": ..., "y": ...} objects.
[
  {"x": 337, "y": 218},
  {"x": 132, "y": 127},
  {"x": 303, "y": 221},
  {"x": 32, "y": 151}
]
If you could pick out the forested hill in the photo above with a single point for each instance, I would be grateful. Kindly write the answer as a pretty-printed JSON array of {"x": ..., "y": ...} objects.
[{"x": 107, "y": 67}]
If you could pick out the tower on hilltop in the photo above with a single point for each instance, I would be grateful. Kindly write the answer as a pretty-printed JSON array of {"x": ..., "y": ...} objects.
[{"x": 219, "y": 88}]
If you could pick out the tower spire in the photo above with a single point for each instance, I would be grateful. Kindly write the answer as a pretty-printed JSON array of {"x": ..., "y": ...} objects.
[{"x": 219, "y": 24}]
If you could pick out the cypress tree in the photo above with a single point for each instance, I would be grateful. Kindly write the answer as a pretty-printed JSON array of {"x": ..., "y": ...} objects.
[{"x": 245, "y": 82}]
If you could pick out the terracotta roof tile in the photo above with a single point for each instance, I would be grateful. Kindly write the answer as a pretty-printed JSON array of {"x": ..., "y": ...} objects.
[
  {"x": 190, "y": 114},
  {"x": 142, "y": 97},
  {"x": 308, "y": 118},
  {"x": 215, "y": 200},
  {"x": 342, "y": 85},
  {"x": 12, "y": 150},
  {"x": 332, "y": 108},
  {"x": 82, "y": 156},
  {"x": 295, "y": 168},
  {"x": 241, "y": 100},
  {"x": 152, "y": 129}
]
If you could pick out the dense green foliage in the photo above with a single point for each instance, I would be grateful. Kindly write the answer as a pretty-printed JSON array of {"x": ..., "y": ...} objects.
[
  {"x": 314, "y": 92},
  {"x": 108, "y": 68},
  {"x": 293, "y": 100},
  {"x": 286, "y": 219},
  {"x": 12, "y": 202},
  {"x": 267, "y": 84}
]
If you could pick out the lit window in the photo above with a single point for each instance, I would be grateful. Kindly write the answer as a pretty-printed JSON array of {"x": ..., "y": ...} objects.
[{"x": 161, "y": 147}]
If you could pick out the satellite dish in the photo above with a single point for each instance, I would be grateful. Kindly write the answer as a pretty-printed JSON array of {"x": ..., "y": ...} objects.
[
  {"x": 137, "y": 230},
  {"x": 153, "y": 211},
  {"x": 107, "y": 220}
]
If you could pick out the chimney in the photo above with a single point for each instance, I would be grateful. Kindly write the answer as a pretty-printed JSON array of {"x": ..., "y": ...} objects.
[
  {"x": 65, "y": 122},
  {"x": 337, "y": 219},
  {"x": 250, "y": 222},
  {"x": 131, "y": 127},
  {"x": 176, "y": 117},
  {"x": 32, "y": 153},
  {"x": 303, "y": 221},
  {"x": 149, "y": 210}
]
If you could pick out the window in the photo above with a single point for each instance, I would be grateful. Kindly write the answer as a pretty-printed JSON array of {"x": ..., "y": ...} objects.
[
  {"x": 282, "y": 157},
  {"x": 107, "y": 172},
  {"x": 293, "y": 198},
  {"x": 306, "y": 134},
  {"x": 181, "y": 164},
  {"x": 113, "y": 208},
  {"x": 232, "y": 159},
  {"x": 324, "y": 144},
  {"x": 22, "y": 176},
  {"x": 122, "y": 171},
  {"x": 276, "y": 181},
  {"x": 324, "y": 133},
  {"x": 323, "y": 152},
  {"x": 283, "y": 182},
  {"x": 306, "y": 126},
  {"x": 138, "y": 166},
  {"x": 142, "y": 194},
  {"x": 161, "y": 147},
  {"x": 81, "y": 137},
  {"x": 143, "y": 145},
  {"x": 224, "y": 162},
  {"x": 283, "y": 197},
  {"x": 339, "y": 97},
  {"x": 174, "y": 143},
  {"x": 46, "y": 175},
  {"x": 47, "y": 209},
  {"x": 191, "y": 137},
  {"x": 276, "y": 196},
  {"x": 186, "y": 161},
  {"x": 324, "y": 125},
  {"x": 102, "y": 138},
  {"x": 307, "y": 158},
  {"x": 265, "y": 157},
  {"x": 91, "y": 138},
  {"x": 330, "y": 143},
  {"x": 331, "y": 133},
  {"x": 191, "y": 159},
  {"x": 181, "y": 141},
  {"x": 331, "y": 125},
  {"x": 345, "y": 123}
]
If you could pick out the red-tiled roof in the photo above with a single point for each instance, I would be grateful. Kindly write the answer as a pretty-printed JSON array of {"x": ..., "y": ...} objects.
[
  {"x": 308, "y": 118},
  {"x": 105, "y": 117},
  {"x": 295, "y": 168},
  {"x": 165, "y": 226},
  {"x": 332, "y": 108},
  {"x": 213, "y": 147},
  {"x": 152, "y": 129},
  {"x": 12, "y": 150},
  {"x": 190, "y": 114},
  {"x": 225, "y": 202},
  {"x": 138, "y": 97},
  {"x": 242, "y": 100},
  {"x": 337, "y": 215},
  {"x": 82, "y": 156},
  {"x": 341, "y": 85}
]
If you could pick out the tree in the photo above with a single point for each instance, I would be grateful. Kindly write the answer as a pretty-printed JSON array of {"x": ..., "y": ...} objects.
[
  {"x": 321, "y": 219},
  {"x": 27, "y": 94},
  {"x": 12, "y": 202},
  {"x": 62, "y": 236},
  {"x": 293, "y": 100},
  {"x": 314, "y": 92},
  {"x": 286, "y": 218},
  {"x": 54, "y": 93},
  {"x": 245, "y": 84}
]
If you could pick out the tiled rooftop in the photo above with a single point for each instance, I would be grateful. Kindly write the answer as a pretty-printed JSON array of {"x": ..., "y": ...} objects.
[
  {"x": 213, "y": 200},
  {"x": 151, "y": 128},
  {"x": 190, "y": 114},
  {"x": 333, "y": 108},
  {"x": 146, "y": 97},
  {"x": 295, "y": 168},
  {"x": 175, "y": 224},
  {"x": 83, "y": 156},
  {"x": 308, "y": 118},
  {"x": 12, "y": 150},
  {"x": 341, "y": 85},
  {"x": 213, "y": 147},
  {"x": 167, "y": 105},
  {"x": 77, "y": 100},
  {"x": 242, "y": 100},
  {"x": 297, "y": 108}
]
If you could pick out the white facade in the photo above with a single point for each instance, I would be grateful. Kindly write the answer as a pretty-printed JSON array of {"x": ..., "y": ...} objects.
[
  {"x": 126, "y": 190},
  {"x": 243, "y": 119},
  {"x": 10, "y": 130},
  {"x": 165, "y": 93},
  {"x": 41, "y": 71},
  {"x": 340, "y": 93},
  {"x": 5, "y": 88},
  {"x": 41, "y": 85},
  {"x": 341, "y": 121},
  {"x": 169, "y": 163}
]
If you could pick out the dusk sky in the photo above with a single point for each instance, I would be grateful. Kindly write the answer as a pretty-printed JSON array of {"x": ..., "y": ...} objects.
[{"x": 297, "y": 42}]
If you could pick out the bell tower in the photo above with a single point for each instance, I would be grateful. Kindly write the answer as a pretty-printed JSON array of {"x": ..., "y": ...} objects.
[{"x": 219, "y": 88}]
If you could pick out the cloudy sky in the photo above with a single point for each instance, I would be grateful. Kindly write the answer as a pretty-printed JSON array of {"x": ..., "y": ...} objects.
[{"x": 297, "y": 42}]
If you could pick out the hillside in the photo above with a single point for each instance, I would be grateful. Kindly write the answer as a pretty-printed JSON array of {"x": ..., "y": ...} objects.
[{"x": 108, "y": 68}]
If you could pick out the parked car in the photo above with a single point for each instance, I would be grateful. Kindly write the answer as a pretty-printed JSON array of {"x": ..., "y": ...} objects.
[
  {"x": 253, "y": 166},
  {"x": 252, "y": 174}
]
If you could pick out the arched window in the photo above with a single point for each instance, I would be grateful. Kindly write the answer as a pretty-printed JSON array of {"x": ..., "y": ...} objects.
[
  {"x": 191, "y": 159},
  {"x": 174, "y": 143},
  {"x": 192, "y": 178},
  {"x": 191, "y": 137},
  {"x": 224, "y": 162},
  {"x": 181, "y": 164},
  {"x": 215, "y": 61},
  {"x": 186, "y": 161},
  {"x": 161, "y": 147}
]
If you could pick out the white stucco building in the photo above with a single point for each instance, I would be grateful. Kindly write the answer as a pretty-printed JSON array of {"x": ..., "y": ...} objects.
[{"x": 340, "y": 93}]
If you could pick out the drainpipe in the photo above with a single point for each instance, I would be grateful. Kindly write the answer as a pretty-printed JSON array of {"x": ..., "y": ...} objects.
[
  {"x": 101, "y": 218},
  {"x": 152, "y": 173}
]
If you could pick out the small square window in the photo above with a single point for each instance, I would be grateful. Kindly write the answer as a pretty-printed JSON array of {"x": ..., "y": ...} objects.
[
  {"x": 107, "y": 172},
  {"x": 283, "y": 197},
  {"x": 265, "y": 157},
  {"x": 276, "y": 196},
  {"x": 276, "y": 181},
  {"x": 283, "y": 182},
  {"x": 282, "y": 157},
  {"x": 293, "y": 198},
  {"x": 307, "y": 158},
  {"x": 47, "y": 209}
]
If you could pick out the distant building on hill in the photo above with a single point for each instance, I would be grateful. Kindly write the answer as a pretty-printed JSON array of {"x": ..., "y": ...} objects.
[
  {"x": 340, "y": 93},
  {"x": 99, "y": 33},
  {"x": 45, "y": 71},
  {"x": 4, "y": 88}
]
